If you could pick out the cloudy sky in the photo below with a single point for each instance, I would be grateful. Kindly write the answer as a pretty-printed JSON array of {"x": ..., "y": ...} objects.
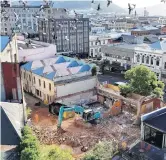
[
  {"x": 139, "y": 3},
  {"x": 121, "y": 3}
]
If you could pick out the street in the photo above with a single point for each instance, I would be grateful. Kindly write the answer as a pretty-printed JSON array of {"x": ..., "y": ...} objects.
[{"x": 112, "y": 78}]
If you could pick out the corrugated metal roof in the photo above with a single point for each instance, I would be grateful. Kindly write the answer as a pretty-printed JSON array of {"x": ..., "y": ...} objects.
[
  {"x": 4, "y": 42},
  {"x": 85, "y": 68},
  {"x": 159, "y": 45},
  {"x": 49, "y": 68},
  {"x": 38, "y": 71},
  {"x": 50, "y": 75},
  {"x": 61, "y": 60}
]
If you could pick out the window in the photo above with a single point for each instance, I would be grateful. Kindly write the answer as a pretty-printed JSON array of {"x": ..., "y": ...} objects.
[
  {"x": 152, "y": 61},
  {"x": 165, "y": 65},
  {"x": 99, "y": 49},
  {"x": 37, "y": 92},
  {"x": 147, "y": 60},
  {"x": 44, "y": 84},
  {"x": 5, "y": 29},
  {"x": 91, "y": 43},
  {"x": 29, "y": 77},
  {"x": 50, "y": 86},
  {"x": 34, "y": 80},
  {"x": 143, "y": 58},
  {"x": 138, "y": 58},
  {"x": 40, "y": 93},
  {"x": 103, "y": 41},
  {"x": 157, "y": 62},
  {"x": 39, "y": 82}
]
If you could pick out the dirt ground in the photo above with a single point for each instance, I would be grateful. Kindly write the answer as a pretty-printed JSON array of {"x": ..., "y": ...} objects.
[{"x": 44, "y": 125}]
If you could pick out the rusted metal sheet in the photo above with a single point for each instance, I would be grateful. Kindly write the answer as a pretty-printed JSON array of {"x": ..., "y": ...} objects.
[{"x": 11, "y": 77}]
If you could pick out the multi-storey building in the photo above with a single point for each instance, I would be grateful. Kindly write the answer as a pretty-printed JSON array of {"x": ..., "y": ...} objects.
[
  {"x": 146, "y": 30},
  {"x": 95, "y": 44},
  {"x": 122, "y": 24},
  {"x": 152, "y": 56},
  {"x": 128, "y": 55},
  {"x": 59, "y": 78},
  {"x": 27, "y": 21},
  {"x": 69, "y": 34}
]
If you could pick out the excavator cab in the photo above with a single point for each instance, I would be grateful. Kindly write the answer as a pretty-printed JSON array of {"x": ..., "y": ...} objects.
[{"x": 88, "y": 115}]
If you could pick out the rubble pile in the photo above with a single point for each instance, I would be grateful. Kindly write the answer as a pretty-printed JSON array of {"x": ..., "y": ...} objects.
[{"x": 118, "y": 128}]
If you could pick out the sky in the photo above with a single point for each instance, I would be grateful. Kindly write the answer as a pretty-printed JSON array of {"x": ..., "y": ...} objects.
[
  {"x": 123, "y": 3},
  {"x": 139, "y": 3}
]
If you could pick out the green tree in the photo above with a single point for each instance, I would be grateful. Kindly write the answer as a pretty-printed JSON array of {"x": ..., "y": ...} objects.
[
  {"x": 29, "y": 145},
  {"x": 143, "y": 81},
  {"x": 94, "y": 71},
  {"x": 52, "y": 152},
  {"x": 102, "y": 150},
  {"x": 29, "y": 154}
]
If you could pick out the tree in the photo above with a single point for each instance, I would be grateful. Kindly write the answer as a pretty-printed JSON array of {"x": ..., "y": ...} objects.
[
  {"x": 29, "y": 154},
  {"x": 143, "y": 81},
  {"x": 102, "y": 150},
  {"x": 94, "y": 71},
  {"x": 29, "y": 145},
  {"x": 53, "y": 152}
]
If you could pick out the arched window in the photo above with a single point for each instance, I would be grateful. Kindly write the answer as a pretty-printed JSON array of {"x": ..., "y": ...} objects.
[
  {"x": 138, "y": 58},
  {"x": 143, "y": 57},
  {"x": 151, "y": 61},
  {"x": 147, "y": 60},
  {"x": 157, "y": 62}
]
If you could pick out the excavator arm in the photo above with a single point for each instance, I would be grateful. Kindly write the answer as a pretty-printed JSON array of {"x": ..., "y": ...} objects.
[{"x": 77, "y": 109}]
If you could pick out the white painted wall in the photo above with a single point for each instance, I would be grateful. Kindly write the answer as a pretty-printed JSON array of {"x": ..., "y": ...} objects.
[
  {"x": 74, "y": 87},
  {"x": 37, "y": 53},
  {"x": 77, "y": 98},
  {"x": 7, "y": 55}
]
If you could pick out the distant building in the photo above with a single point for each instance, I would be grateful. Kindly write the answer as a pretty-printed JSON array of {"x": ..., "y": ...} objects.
[
  {"x": 27, "y": 20},
  {"x": 146, "y": 30},
  {"x": 122, "y": 24},
  {"x": 9, "y": 51},
  {"x": 125, "y": 55},
  {"x": 58, "y": 78},
  {"x": 97, "y": 29},
  {"x": 121, "y": 55},
  {"x": 95, "y": 43},
  {"x": 69, "y": 34}
]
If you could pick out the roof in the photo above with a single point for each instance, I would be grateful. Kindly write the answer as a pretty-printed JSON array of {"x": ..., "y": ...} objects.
[
  {"x": 151, "y": 152},
  {"x": 57, "y": 66},
  {"x": 4, "y": 42},
  {"x": 158, "y": 122},
  {"x": 145, "y": 28},
  {"x": 11, "y": 123},
  {"x": 159, "y": 45}
]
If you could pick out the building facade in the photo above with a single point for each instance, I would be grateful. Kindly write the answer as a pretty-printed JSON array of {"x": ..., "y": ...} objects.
[
  {"x": 122, "y": 24},
  {"x": 121, "y": 55},
  {"x": 28, "y": 18},
  {"x": 146, "y": 30},
  {"x": 152, "y": 56},
  {"x": 58, "y": 78},
  {"x": 68, "y": 34},
  {"x": 9, "y": 51},
  {"x": 95, "y": 44}
]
